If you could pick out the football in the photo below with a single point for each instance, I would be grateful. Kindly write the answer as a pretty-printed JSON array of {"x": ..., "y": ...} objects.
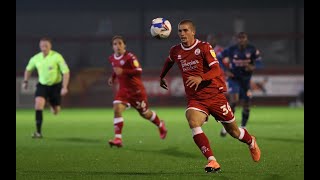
[{"x": 160, "y": 28}]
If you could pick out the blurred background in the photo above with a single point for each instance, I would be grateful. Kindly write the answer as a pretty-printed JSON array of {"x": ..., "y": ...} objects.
[{"x": 82, "y": 31}]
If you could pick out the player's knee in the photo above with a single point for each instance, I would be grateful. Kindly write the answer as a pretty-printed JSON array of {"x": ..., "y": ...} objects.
[
  {"x": 246, "y": 107},
  {"x": 117, "y": 112},
  {"x": 39, "y": 103}
]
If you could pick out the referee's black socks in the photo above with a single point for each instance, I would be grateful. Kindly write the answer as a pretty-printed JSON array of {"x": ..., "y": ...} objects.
[{"x": 39, "y": 120}]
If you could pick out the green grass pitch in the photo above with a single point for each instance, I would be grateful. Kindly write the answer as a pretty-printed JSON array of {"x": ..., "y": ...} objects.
[{"x": 75, "y": 146}]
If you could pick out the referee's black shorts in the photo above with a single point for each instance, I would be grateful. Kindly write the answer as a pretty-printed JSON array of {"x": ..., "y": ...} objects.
[{"x": 50, "y": 93}]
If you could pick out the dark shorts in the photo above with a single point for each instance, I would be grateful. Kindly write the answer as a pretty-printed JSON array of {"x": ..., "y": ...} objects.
[
  {"x": 241, "y": 87},
  {"x": 50, "y": 93}
]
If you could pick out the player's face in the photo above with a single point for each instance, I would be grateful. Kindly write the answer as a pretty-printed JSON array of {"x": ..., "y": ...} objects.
[
  {"x": 45, "y": 46},
  {"x": 118, "y": 46},
  {"x": 186, "y": 33},
  {"x": 242, "y": 40}
]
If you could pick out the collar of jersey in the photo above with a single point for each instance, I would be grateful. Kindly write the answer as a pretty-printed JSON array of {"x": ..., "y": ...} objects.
[
  {"x": 188, "y": 48},
  {"x": 49, "y": 54},
  {"x": 117, "y": 58}
]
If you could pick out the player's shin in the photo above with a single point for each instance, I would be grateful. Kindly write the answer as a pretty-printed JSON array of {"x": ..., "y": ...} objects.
[
  {"x": 39, "y": 120},
  {"x": 118, "y": 125},
  {"x": 245, "y": 117},
  {"x": 203, "y": 143},
  {"x": 155, "y": 119}
]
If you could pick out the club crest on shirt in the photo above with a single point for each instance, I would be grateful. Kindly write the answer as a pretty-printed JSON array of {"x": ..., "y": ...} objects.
[
  {"x": 136, "y": 63},
  {"x": 197, "y": 51},
  {"x": 248, "y": 55},
  {"x": 50, "y": 68},
  {"x": 213, "y": 54},
  {"x": 122, "y": 62},
  {"x": 179, "y": 56}
]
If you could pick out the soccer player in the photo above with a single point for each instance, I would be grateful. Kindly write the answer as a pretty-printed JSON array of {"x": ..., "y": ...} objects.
[
  {"x": 242, "y": 58},
  {"x": 127, "y": 69},
  {"x": 204, "y": 87},
  {"x": 53, "y": 74}
]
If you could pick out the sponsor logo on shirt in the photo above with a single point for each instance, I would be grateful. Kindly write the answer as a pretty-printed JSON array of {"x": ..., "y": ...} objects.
[{"x": 187, "y": 66}]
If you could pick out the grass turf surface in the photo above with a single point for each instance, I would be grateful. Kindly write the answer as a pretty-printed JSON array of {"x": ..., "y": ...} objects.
[{"x": 75, "y": 146}]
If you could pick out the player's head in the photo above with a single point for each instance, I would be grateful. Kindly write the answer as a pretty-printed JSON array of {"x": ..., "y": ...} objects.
[
  {"x": 118, "y": 44},
  {"x": 242, "y": 39},
  {"x": 186, "y": 31},
  {"x": 212, "y": 40},
  {"x": 45, "y": 45}
]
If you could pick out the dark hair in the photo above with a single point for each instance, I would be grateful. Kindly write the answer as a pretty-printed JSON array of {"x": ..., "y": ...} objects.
[
  {"x": 188, "y": 21},
  {"x": 118, "y": 37},
  {"x": 46, "y": 39}
]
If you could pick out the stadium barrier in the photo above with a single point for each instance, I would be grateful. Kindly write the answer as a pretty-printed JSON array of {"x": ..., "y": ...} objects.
[{"x": 88, "y": 88}]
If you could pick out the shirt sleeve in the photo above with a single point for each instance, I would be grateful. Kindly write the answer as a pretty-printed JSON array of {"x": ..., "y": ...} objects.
[
  {"x": 135, "y": 67},
  {"x": 31, "y": 65},
  {"x": 62, "y": 65},
  {"x": 209, "y": 55}
]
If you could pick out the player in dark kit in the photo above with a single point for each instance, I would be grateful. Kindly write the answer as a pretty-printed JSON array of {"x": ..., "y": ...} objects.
[
  {"x": 127, "y": 69},
  {"x": 242, "y": 59},
  {"x": 204, "y": 87}
]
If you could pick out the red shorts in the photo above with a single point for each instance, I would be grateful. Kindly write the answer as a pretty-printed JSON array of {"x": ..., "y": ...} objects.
[
  {"x": 217, "y": 106},
  {"x": 139, "y": 100}
]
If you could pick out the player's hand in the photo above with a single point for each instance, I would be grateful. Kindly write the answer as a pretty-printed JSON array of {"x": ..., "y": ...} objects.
[
  {"x": 118, "y": 70},
  {"x": 229, "y": 74},
  {"x": 163, "y": 83},
  {"x": 194, "y": 81},
  {"x": 25, "y": 85},
  {"x": 250, "y": 67},
  {"x": 64, "y": 91},
  {"x": 110, "y": 81}
]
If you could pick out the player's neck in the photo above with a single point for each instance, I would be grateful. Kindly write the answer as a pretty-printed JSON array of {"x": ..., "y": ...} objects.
[
  {"x": 242, "y": 47},
  {"x": 120, "y": 53},
  {"x": 189, "y": 43},
  {"x": 45, "y": 54}
]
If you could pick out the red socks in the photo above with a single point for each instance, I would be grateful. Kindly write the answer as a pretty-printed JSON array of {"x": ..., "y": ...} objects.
[
  {"x": 202, "y": 142},
  {"x": 118, "y": 124},
  {"x": 245, "y": 136}
]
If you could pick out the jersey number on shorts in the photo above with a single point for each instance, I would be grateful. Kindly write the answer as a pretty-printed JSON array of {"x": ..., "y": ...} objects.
[
  {"x": 141, "y": 105},
  {"x": 226, "y": 108}
]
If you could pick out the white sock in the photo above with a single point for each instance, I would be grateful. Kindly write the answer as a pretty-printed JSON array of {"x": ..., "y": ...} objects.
[
  {"x": 241, "y": 133},
  {"x": 212, "y": 158},
  {"x": 118, "y": 136},
  {"x": 196, "y": 130}
]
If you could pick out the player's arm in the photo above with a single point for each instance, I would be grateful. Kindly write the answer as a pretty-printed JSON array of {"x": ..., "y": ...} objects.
[
  {"x": 28, "y": 72},
  {"x": 258, "y": 59},
  {"x": 66, "y": 75},
  {"x": 111, "y": 79},
  {"x": 133, "y": 71},
  {"x": 166, "y": 67}
]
